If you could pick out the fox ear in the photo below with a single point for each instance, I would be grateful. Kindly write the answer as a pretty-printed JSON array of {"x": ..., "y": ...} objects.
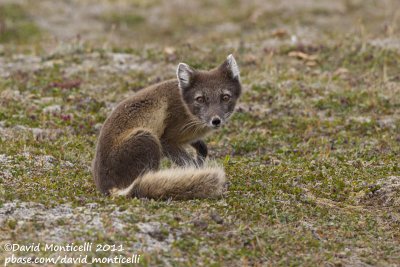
[
  {"x": 184, "y": 73},
  {"x": 231, "y": 67}
]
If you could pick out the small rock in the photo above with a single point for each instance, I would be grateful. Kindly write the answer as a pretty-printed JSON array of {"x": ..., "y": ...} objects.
[
  {"x": 216, "y": 218},
  {"x": 92, "y": 205},
  {"x": 360, "y": 119},
  {"x": 200, "y": 224},
  {"x": 45, "y": 134},
  {"x": 49, "y": 159},
  {"x": 170, "y": 53},
  {"x": 67, "y": 164},
  {"x": 20, "y": 128},
  {"x": 387, "y": 123},
  {"x": 157, "y": 234},
  {"x": 98, "y": 126},
  {"x": 4, "y": 159},
  {"x": 37, "y": 133},
  {"x": 46, "y": 100},
  {"x": 280, "y": 33},
  {"x": 10, "y": 95},
  {"x": 341, "y": 72},
  {"x": 385, "y": 192},
  {"x": 153, "y": 229},
  {"x": 46, "y": 161},
  {"x": 54, "y": 109}
]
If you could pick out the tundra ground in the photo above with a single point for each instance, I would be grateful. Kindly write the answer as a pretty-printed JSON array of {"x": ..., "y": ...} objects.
[{"x": 312, "y": 153}]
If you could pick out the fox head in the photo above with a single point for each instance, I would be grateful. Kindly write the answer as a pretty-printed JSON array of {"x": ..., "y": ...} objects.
[{"x": 210, "y": 95}]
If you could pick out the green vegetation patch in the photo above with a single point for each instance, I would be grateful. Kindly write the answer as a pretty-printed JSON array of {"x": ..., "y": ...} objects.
[{"x": 16, "y": 25}]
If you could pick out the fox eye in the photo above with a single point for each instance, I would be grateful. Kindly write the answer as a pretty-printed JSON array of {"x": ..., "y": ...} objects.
[
  {"x": 226, "y": 98},
  {"x": 200, "y": 99}
]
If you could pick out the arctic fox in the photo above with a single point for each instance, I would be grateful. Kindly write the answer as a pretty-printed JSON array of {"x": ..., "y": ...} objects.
[{"x": 161, "y": 120}]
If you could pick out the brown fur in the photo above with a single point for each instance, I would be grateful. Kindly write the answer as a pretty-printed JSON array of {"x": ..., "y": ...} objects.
[{"x": 159, "y": 121}]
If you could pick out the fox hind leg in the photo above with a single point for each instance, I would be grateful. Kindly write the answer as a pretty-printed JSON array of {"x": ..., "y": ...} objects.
[{"x": 137, "y": 154}]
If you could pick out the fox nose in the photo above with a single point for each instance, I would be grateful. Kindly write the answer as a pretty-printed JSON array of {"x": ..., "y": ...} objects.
[{"x": 216, "y": 121}]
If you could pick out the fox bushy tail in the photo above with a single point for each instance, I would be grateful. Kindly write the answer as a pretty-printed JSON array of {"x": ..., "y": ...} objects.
[{"x": 177, "y": 183}]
